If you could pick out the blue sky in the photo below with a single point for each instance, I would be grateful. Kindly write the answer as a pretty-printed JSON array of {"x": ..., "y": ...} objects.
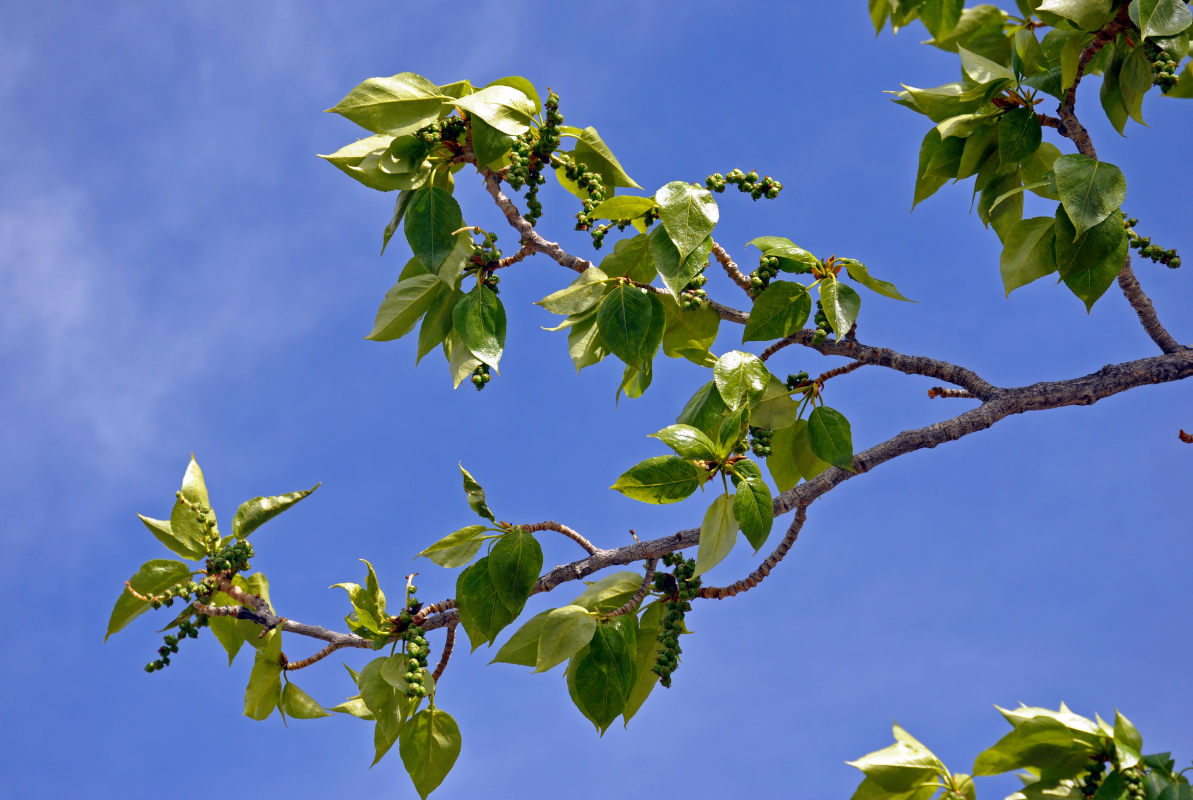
[{"x": 180, "y": 273}]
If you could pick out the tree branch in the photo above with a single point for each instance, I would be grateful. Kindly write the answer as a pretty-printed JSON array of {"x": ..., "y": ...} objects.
[
  {"x": 448, "y": 645},
  {"x": 552, "y": 525},
  {"x": 1145, "y": 310},
  {"x": 633, "y": 602},
  {"x": 756, "y": 577},
  {"x": 731, "y": 269}
]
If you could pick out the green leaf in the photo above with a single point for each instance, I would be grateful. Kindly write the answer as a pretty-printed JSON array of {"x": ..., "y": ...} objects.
[
  {"x": 479, "y": 318},
  {"x": 939, "y": 163},
  {"x": 623, "y": 207},
  {"x": 524, "y": 86},
  {"x": 741, "y": 379},
  {"x": 900, "y": 769},
  {"x": 565, "y": 631},
  {"x": 1086, "y": 14},
  {"x": 689, "y": 332},
  {"x": 776, "y": 409},
  {"x": 1126, "y": 733},
  {"x": 830, "y": 438},
  {"x": 688, "y": 214},
  {"x": 982, "y": 70},
  {"x": 1160, "y": 17},
  {"x": 457, "y": 548},
  {"x": 940, "y": 17},
  {"x": 753, "y": 506},
  {"x": 841, "y": 305},
  {"x": 733, "y": 427},
  {"x": 1007, "y": 188},
  {"x": 227, "y": 631},
  {"x": 1135, "y": 80},
  {"x": 1110, "y": 94},
  {"x": 429, "y": 747},
  {"x": 687, "y": 442},
  {"x": 153, "y": 578},
  {"x": 386, "y": 704},
  {"x": 1040, "y": 742},
  {"x": 1090, "y": 262},
  {"x": 185, "y": 527},
  {"x": 791, "y": 258},
  {"x": 187, "y": 547},
  {"x": 460, "y": 361},
  {"x": 585, "y": 345},
  {"x": 1090, "y": 190},
  {"x": 402, "y": 103},
  {"x": 781, "y": 461},
  {"x": 361, "y": 160},
  {"x": 1037, "y": 172},
  {"x": 857, "y": 270},
  {"x": 810, "y": 465},
  {"x": 704, "y": 410},
  {"x": 254, "y": 513},
  {"x": 630, "y": 258},
  {"x": 402, "y": 307},
  {"x": 476, "y": 495},
  {"x": 593, "y": 151},
  {"x": 514, "y": 566},
  {"x": 523, "y": 647},
  {"x": 353, "y": 706},
  {"x": 505, "y": 108},
  {"x": 604, "y": 676},
  {"x": 264, "y": 691},
  {"x": 1019, "y": 134},
  {"x": 646, "y": 649},
  {"x": 662, "y": 479},
  {"x": 431, "y": 218},
  {"x": 368, "y": 602},
  {"x": 488, "y": 143},
  {"x": 676, "y": 272},
  {"x": 779, "y": 310},
  {"x": 578, "y": 296},
  {"x": 437, "y": 322},
  {"x": 624, "y": 320},
  {"x": 718, "y": 533},
  {"x": 1027, "y": 253},
  {"x": 400, "y": 206},
  {"x": 482, "y": 612},
  {"x": 298, "y": 704},
  {"x": 609, "y": 593}
]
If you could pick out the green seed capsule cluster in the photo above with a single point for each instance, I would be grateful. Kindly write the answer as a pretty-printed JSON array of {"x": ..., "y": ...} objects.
[
  {"x": 1165, "y": 77},
  {"x": 1093, "y": 777},
  {"x": 593, "y": 185},
  {"x": 206, "y": 519},
  {"x": 680, "y": 586},
  {"x": 530, "y": 152},
  {"x": 693, "y": 295},
  {"x": 414, "y": 646},
  {"x": 231, "y": 559},
  {"x": 760, "y": 441},
  {"x": 186, "y": 630},
  {"x": 768, "y": 268},
  {"x": 795, "y": 381},
  {"x": 1144, "y": 245},
  {"x": 481, "y": 376},
  {"x": 181, "y": 590},
  {"x": 444, "y": 130},
  {"x": 485, "y": 252},
  {"x": 747, "y": 182},
  {"x": 823, "y": 329},
  {"x": 1133, "y": 780}
]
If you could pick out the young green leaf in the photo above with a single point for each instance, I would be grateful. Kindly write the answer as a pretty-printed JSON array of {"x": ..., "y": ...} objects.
[
  {"x": 578, "y": 296},
  {"x": 402, "y": 307},
  {"x": 630, "y": 258},
  {"x": 264, "y": 690},
  {"x": 718, "y": 532},
  {"x": 457, "y": 548},
  {"x": 753, "y": 506},
  {"x": 857, "y": 270},
  {"x": 905, "y": 769},
  {"x": 982, "y": 70},
  {"x": 775, "y": 409},
  {"x": 1086, "y": 14},
  {"x": 677, "y": 270},
  {"x": 298, "y": 704},
  {"x": 187, "y": 545},
  {"x": 781, "y": 461},
  {"x": 1160, "y": 17},
  {"x": 841, "y": 305},
  {"x": 830, "y": 438},
  {"x": 592, "y": 151},
  {"x": 479, "y": 319},
  {"x": 791, "y": 258},
  {"x": 1028, "y": 252},
  {"x": 1090, "y": 262},
  {"x": 505, "y": 108},
  {"x": 429, "y": 747},
  {"x": 741, "y": 379},
  {"x": 625, "y": 319},
  {"x": 1019, "y": 134},
  {"x": 688, "y": 214},
  {"x": 687, "y": 442},
  {"x": 437, "y": 322},
  {"x": 662, "y": 479},
  {"x": 153, "y": 578},
  {"x": 476, "y": 495},
  {"x": 254, "y": 513},
  {"x": 690, "y": 332},
  {"x": 585, "y": 345},
  {"x": 704, "y": 410},
  {"x": 523, "y": 646},
  {"x": 1090, "y": 190},
  {"x": 482, "y": 613},
  {"x": 565, "y": 630},
  {"x": 610, "y": 592},
  {"x": 401, "y": 103},
  {"x": 514, "y": 566},
  {"x": 604, "y": 675},
  {"x": 623, "y": 207},
  {"x": 646, "y": 649},
  {"x": 780, "y": 310}
]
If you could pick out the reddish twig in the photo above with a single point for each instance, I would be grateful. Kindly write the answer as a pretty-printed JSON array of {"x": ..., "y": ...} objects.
[{"x": 448, "y": 644}]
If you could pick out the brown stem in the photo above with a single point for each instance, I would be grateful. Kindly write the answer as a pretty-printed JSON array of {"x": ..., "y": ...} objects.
[
  {"x": 633, "y": 602},
  {"x": 1070, "y": 126},
  {"x": 756, "y": 577},
  {"x": 448, "y": 644},
  {"x": 940, "y": 391},
  {"x": 1145, "y": 310},
  {"x": 558, "y": 527},
  {"x": 290, "y": 666},
  {"x": 731, "y": 269}
]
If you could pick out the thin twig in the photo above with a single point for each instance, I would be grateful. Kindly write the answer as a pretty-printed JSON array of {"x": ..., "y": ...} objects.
[
  {"x": 731, "y": 269},
  {"x": 448, "y": 644},
  {"x": 633, "y": 602},
  {"x": 757, "y": 576},
  {"x": 558, "y": 527},
  {"x": 940, "y": 391},
  {"x": 524, "y": 251},
  {"x": 833, "y": 373},
  {"x": 1145, "y": 310},
  {"x": 290, "y": 666}
]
